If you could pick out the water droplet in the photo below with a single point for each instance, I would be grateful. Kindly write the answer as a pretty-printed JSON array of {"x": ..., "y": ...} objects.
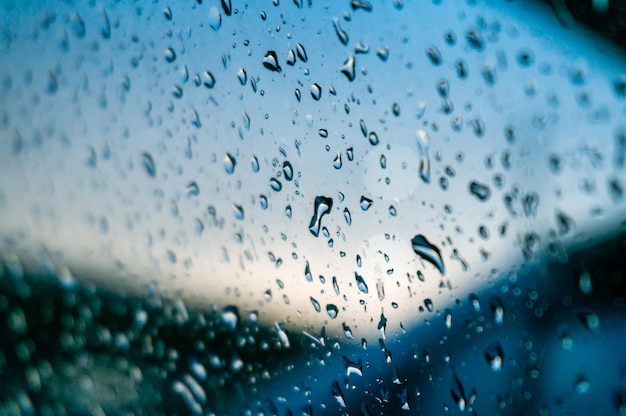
[
  {"x": 167, "y": 12},
  {"x": 341, "y": 34},
  {"x": 209, "y": 79},
  {"x": 361, "y": 5},
  {"x": 170, "y": 55},
  {"x": 495, "y": 356},
  {"x": 238, "y": 211},
  {"x": 332, "y": 310},
  {"x": 448, "y": 318},
  {"x": 301, "y": 52},
  {"x": 475, "y": 302},
  {"x": 350, "y": 153},
  {"x": 382, "y": 327},
  {"x": 229, "y": 163},
  {"x": 373, "y": 138},
  {"x": 584, "y": 282},
  {"x": 255, "y": 164},
  {"x": 315, "y": 304},
  {"x": 337, "y": 162},
  {"x": 582, "y": 385},
  {"x": 365, "y": 203},
  {"x": 383, "y": 53},
  {"x": 270, "y": 61},
  {"x": 434, "y": 55},
  {"x": 148, "y": 164},
  {"x": 307, "y": 272},
  {"x": 360, "y": 282},
  {"x": 424, "y": 168},
  {"x": 497, "y": 308},
  {"x": 322, "y": 206},
  {"x": 192, "y": 189},
  {"x": 316, "y": 92},
  {"x": 215, "y": 18},
  {"x": 428, "y": 252},
  {"x": 230, "y": 317},
  {"x": 429, "y": 304},
  {"x": 288, "y": 170},
  {"x": 591, "y": 320},
  {"x": 243, "y": 76},
  {"x": 335, "y": 285},
  {"x": 480, "y": 191},
  {"x": 338, "y": 394},
  {"x": 227, "y": 7},
  {"x": 276, "y": 185},
  {"x": 392, "y": 211},
  {"x": 348, "y": 68}
]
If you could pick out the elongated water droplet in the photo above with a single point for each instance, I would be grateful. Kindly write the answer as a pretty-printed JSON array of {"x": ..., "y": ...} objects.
[
  {"x": 383, "y": 53},
  {"x": 270, "y": 61},
  {"x": 291, "y": 58},
  {"x": 227, "y": 6},
  {"x": 230, "y": 317},
  {"x": 229, "y": 163},
  {"x": 288, "y": 170},
  {"x": 301, "y": 52},
  {"x": 255, "y": 164},
  {"x": 243, "y": 76},
  {"x": 238, "y": 211},
  {"x": 335, "y": 285},
  {"x": 341, "y": 34},
  {"x": 434, "y": 55},
  {"x": 429, "y": 304},
  {"x": 495, "y": 356},
  {"x": 263, "y": 201},
  {"x": 480, "y": 191},
  {"x": 361, "y": 5},
  {"x": 337, "y": 162},
  {"x": 338, "y": 394},
  {"x": 322, "y": 206},
  {"x": 192, "y": 189},
  {"x": 307, "y": 272},
  {"x": 170, "y": 55},
  {"x": 315, "y": 304},
  {"x": 428, "y": 252},
  {"x": 424, "y": 168},
  {"x": 347, "y": 216},
  {"x": 276, "y": 185},
  {"x": 360, "y": 282},
  {"x": 316, "y": 92},
  {"x": 148, "y": 164}
]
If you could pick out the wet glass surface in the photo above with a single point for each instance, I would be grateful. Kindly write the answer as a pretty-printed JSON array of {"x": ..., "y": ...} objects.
[{"x": 298, "y": 207}]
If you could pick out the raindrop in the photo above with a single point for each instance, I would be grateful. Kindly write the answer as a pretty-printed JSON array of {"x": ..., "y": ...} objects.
[
  {"x": 148, "y": 164},
  {"x": 338, "y": 394},
  {"x": 209, "y": 79},
  {"x": 461, "y": 68},
  {"x": 316, "y": 304},
  {"x": 475, "y": 302},
  {"x": 383, "y": 53},
  {"x": 350, "y": 153},
  {"x": 480, "y": 191},
  {"x": 497, "y": 308},
  {"x": 494, "y": 356},
  {"x": 229, "y": 163},
  {"x": 332, "y": 310},
  {"x": 448, "y": 318},
  {"x": 291, "y": 58},
  {"x": 361, "y": 283},
  {"x": 192, "y": 189},
  {"x": 424, "y": 168},
  {"x": 270, "y": 61},
  {"x": 307, "y": 272},
  {"x": 434, "y": 55},
  {"x": 167, "y": 12},
  {"x": 395, "y": 109},
  {"x": 582, "y": 385},
  {"x": 215, "y": 18},
  {"x": 227, "y": 7},
  {"x": 230, "y": 317},
  {"x": 255, "y": 164},
  {"x": 347, "y": 331},
  {"x": 392, "y": 211},
  {"x": 337, "y": 162},
  {"x": 170, "y": 55},
  {"x": 238, "y": 211},
  {"x": 288, "y": 170},
  {"x": 429, "y": 304},
  {"x": 301, "y": 52},
  {"x": 316, "y": 92},
  {"x": 347, "y": 216},
  {"x": 263, "y": 201},
  {"x": 341, "y": 34},
  {"x": 373, "y": 138},
  {"x": 428, "y": 252},
  {"x": 322, "y": 206},
  {"x": 584, "y": 282},
  {"x": 365, "y": 203},
  {"x": 348, "y": 68},
  {"x": 382, "y": 327},
  {"x": 276, "y": 185},
  {"x": 243, "y": 76},
  {"x": 361, "y": 5}
]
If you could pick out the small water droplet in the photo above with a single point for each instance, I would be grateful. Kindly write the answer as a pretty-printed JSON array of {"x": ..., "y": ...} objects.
[
  {"x": 238, "y": 211},
  {"x": 429, "y": 304},
  {"x": 227, "y": 6},
  {"x": 148, "y": 164},
  {"x": 315, "y": 304},
  {"x": 494, "y": 356},
  {"x": 316, "y": 92},
  {"x": 480, "y": 191},
  {"x": 338, "y": 394},
  {"x": 373, "y": 138},
  {"x": 322, "y": 206},
  {"x": 365, "y": 203},
  {"x": 383, "y": 53},
  {"x": 288, "y": 170},
  {"x": 243, "y": 76},
  {"x": 337, "y": 162},
  {"x": 434, "y": 55},
  {"x": 428, "y": 252},
  {"x": 301, "y": 52},
  {"x": 229, "y": 163},
  {"x": 170, "y": 55},
  {"x": 307, "y": 272},
  {"x": 192, "y": 189},
  {"x": 167, "y": 12},
  {"x": 392, "y": 211},
  {"x": 276, "y": 185},
  {"x": 209, "y": 79},
  {"x": 255, "y": 164}
]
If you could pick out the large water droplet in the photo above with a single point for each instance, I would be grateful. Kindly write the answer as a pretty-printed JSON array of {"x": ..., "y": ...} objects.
[
  {"x": 322, "y": 206},
  {"x": 365, "y": 203},
  {"x": 230, "y": 317},
  {"x": 315, "y": 304},
  {"x": 270, "y": 61},
  {"x": 301, "y": 52},
  {"x": 215, "y": 18},
  {"x": 288, "y": 170},
  {"x": 243, "y": 76},
  {"x": 428, "y": 252},
  {"x": 276, "y": 185},
  {"x": 316, "y": 92}
]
